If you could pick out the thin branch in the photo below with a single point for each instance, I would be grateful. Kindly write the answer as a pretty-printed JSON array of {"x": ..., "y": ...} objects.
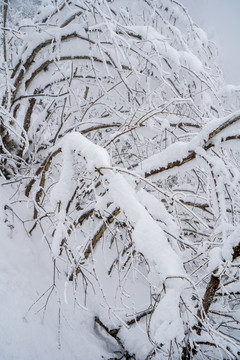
[{"x": 5, "y": 10}]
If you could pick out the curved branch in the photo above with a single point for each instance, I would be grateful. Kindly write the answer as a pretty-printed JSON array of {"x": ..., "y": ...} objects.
[
  {"x": 203, "y": 139},
  {"x": 100, "y": 233},
  {"x": 96, "y": 237},
  {"x": 42, "y": 168},
  {"x": 210, "y": 292},
  {"x": 32, "y": 56}
]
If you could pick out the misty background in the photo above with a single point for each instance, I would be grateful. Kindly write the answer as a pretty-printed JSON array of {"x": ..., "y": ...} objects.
[{"x": 220, "y": 19}]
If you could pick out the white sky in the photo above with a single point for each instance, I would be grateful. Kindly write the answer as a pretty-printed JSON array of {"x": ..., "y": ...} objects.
[{"x": 221, "y": 21}]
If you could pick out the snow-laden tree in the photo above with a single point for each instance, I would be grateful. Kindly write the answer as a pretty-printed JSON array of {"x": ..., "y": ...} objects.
[{"x": 119, "y": 135}]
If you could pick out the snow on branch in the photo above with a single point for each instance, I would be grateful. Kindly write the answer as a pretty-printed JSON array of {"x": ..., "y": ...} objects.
[
  {"x": 179, "y": 153},
  {"x": 147, "y": 236}
]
